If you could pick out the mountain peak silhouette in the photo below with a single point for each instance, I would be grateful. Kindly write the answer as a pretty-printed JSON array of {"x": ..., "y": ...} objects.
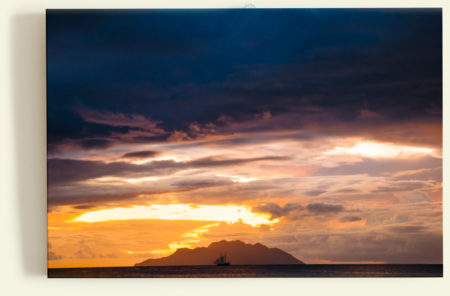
[{"x": 238, "y": 253}]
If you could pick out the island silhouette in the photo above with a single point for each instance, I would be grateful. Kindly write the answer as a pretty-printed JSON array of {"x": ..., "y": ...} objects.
[{"x": 237, "y": 253}]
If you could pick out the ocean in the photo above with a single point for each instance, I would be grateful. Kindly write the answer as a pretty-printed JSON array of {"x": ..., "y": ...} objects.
[{"x": 257, "y": 271}]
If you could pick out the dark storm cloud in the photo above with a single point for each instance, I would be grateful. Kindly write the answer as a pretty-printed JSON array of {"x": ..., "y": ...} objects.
[
  {"x": 83, "y": 207},
  {"x": 314, "y": 209},
  {"x": 350, "y": 219},
  {"x": 94, "y": 143},
  {"x": 407, "y": 229},
  {"x": 141, "y": 154},
  {"x": 121, "y": 120},
  {"x": 323, "y": 208},
  {"x": 276, "y": 211},
  {"x": 70, "y": 170},
  {"x": 180, "y": 67},
  {"x": 100, "y": 195},
  {"x": 193, "y": 184},
  {"x": 211, "y": 162},
  {"x": 105, "y": 129}
]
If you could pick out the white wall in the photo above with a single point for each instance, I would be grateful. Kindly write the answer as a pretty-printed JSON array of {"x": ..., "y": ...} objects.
[{"x": 23, "y": 171}]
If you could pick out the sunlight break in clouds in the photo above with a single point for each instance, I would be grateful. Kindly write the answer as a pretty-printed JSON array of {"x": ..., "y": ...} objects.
[
  {"x": 380, "y": 150},
  {"x": 228, "y": 213},
  {"x": 238, "y": 179},
  {"x": 176, "y": 158},
  {"x": 187, "y": 240}
]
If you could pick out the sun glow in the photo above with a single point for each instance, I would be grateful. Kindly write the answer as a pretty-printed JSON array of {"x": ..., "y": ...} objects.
[
  {"x": 238, "y": 179},
  {"x": 379, "y": 150},
  {"x": 225, "y": 213},
  {"x": 188, "y": 239}
]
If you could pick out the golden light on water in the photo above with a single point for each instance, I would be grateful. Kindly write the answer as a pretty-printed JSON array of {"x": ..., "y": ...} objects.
[{"x": 220, "y": 213}]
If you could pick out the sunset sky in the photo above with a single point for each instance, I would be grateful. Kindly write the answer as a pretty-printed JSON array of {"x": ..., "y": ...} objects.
[{"x": 317, "y": 131}]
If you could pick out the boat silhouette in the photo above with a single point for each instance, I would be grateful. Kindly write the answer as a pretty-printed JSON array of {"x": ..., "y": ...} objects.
[{"x": 222, "y": 260}]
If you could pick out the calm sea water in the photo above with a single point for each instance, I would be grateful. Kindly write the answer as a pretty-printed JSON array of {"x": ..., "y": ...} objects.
[{"x": 350, "y": 270}]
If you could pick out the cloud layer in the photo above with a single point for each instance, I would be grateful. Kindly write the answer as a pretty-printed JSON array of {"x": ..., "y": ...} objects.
[{"x": 327, "y": 121}]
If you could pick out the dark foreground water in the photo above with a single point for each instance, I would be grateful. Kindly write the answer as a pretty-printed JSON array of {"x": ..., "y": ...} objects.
[{"x": 350, "y": 270}]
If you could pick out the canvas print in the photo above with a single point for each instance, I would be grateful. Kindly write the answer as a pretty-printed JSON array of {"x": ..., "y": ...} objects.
[{"x": 244, "y": 143}]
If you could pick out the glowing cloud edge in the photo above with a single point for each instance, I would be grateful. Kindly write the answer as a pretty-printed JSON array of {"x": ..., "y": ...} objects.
[{"x": 219, "y": 213}]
